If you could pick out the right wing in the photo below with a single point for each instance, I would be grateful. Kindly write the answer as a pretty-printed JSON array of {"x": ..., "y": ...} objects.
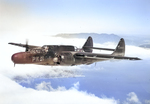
[{"x": 24, "y": 45}]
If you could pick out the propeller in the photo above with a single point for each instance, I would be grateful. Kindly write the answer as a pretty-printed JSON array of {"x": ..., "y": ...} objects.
[{"x": 27, "y": 46}]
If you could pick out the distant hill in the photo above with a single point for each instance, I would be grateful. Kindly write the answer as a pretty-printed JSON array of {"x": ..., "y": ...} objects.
[
  {"x": 138, "y": 40},
  {"x": 98, "y": 38},
  {"x": 145, "y": 46}
]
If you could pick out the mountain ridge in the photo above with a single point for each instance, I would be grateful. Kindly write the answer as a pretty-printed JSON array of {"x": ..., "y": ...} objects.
[
  {"x": 104, "y": 37},
  {"x": 98, "y": 38}
]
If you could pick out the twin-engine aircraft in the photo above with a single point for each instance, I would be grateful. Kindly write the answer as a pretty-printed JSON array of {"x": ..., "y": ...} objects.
[{"x": 67, "y": 55}]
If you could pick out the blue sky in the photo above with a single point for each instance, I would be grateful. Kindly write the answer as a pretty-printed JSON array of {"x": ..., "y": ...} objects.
[
  {"x": 98, "y": 16},
  {"x": 104, "y": 15}
]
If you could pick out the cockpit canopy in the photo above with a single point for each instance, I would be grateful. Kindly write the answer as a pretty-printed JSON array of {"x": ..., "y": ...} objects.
[
  {"x": 56, "y": 49},
  {"x": 59, "y": 48}
]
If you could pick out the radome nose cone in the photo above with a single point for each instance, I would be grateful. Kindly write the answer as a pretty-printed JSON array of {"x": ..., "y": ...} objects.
[
  {"x": 21, "y": 58},
  {"x": 17, "y": 57},
  {"x": 14, "y": 58}
]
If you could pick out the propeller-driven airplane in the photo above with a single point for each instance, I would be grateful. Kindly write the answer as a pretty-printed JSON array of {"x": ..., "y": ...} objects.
[{"x": 67, "y": 55}]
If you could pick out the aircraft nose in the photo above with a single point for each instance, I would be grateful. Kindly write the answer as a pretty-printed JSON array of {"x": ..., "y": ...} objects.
[{"x": 16, "y": 58}]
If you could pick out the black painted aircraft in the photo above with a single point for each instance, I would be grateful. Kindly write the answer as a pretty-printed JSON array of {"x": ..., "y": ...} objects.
[{"x": 66, "y": 54}]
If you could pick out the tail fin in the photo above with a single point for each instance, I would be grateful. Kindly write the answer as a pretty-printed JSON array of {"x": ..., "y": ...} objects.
[
  {"x": 120, "y": 49},
  {"x": 88, "y": 43}
]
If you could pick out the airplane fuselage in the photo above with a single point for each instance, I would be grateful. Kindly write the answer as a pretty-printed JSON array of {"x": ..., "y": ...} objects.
[{"x": 52, "y": 55}]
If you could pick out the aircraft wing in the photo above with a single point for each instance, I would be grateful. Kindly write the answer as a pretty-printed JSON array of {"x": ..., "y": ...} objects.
[
  {"x": 24, "y": 45},
  {"x": 95, "y": 56}
]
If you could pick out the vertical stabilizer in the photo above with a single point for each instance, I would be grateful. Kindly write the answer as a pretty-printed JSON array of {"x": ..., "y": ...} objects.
[
  {"x": 120, "y": 49},
  {"x": 88, "y": 43}
]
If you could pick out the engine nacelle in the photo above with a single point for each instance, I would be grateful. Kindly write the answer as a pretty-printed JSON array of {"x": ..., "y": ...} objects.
[{"x": 66, "y": 58}]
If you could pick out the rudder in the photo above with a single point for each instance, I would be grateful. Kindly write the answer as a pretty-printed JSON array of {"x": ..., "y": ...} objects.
[
  {"x": 120, "y": 49},
  {"x": 88, "y": 43}
]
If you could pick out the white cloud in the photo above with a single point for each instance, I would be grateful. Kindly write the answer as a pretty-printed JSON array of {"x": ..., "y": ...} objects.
[
  {"x": 137, "y": 52},
  {"x": 13, "y": 93},
  {"x": 130, "y": 51},
  {"x": 76, "y": 85},
  {"x": 147, "y": 101},
  {"x": 132, "y": 99},
  {"x": 44, "y": 86},
  {"x": 10, "y": 76},
  {"x": 47, "y": 86},
  {"x": 26, "y": 72}
]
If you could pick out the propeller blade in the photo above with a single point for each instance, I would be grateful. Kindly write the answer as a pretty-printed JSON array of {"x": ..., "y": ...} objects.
[{"x": 27, "y": 46}]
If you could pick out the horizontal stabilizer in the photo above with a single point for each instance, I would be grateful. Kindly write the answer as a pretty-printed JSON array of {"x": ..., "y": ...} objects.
[
  {"x": 107, "y": 49},
  {"x": 103, "y": 56}
]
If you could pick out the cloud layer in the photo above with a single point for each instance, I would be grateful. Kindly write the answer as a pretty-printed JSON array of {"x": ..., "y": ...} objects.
[
  {"x": 14, "y": 79},
  {"x": 11, "y": 92}
]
